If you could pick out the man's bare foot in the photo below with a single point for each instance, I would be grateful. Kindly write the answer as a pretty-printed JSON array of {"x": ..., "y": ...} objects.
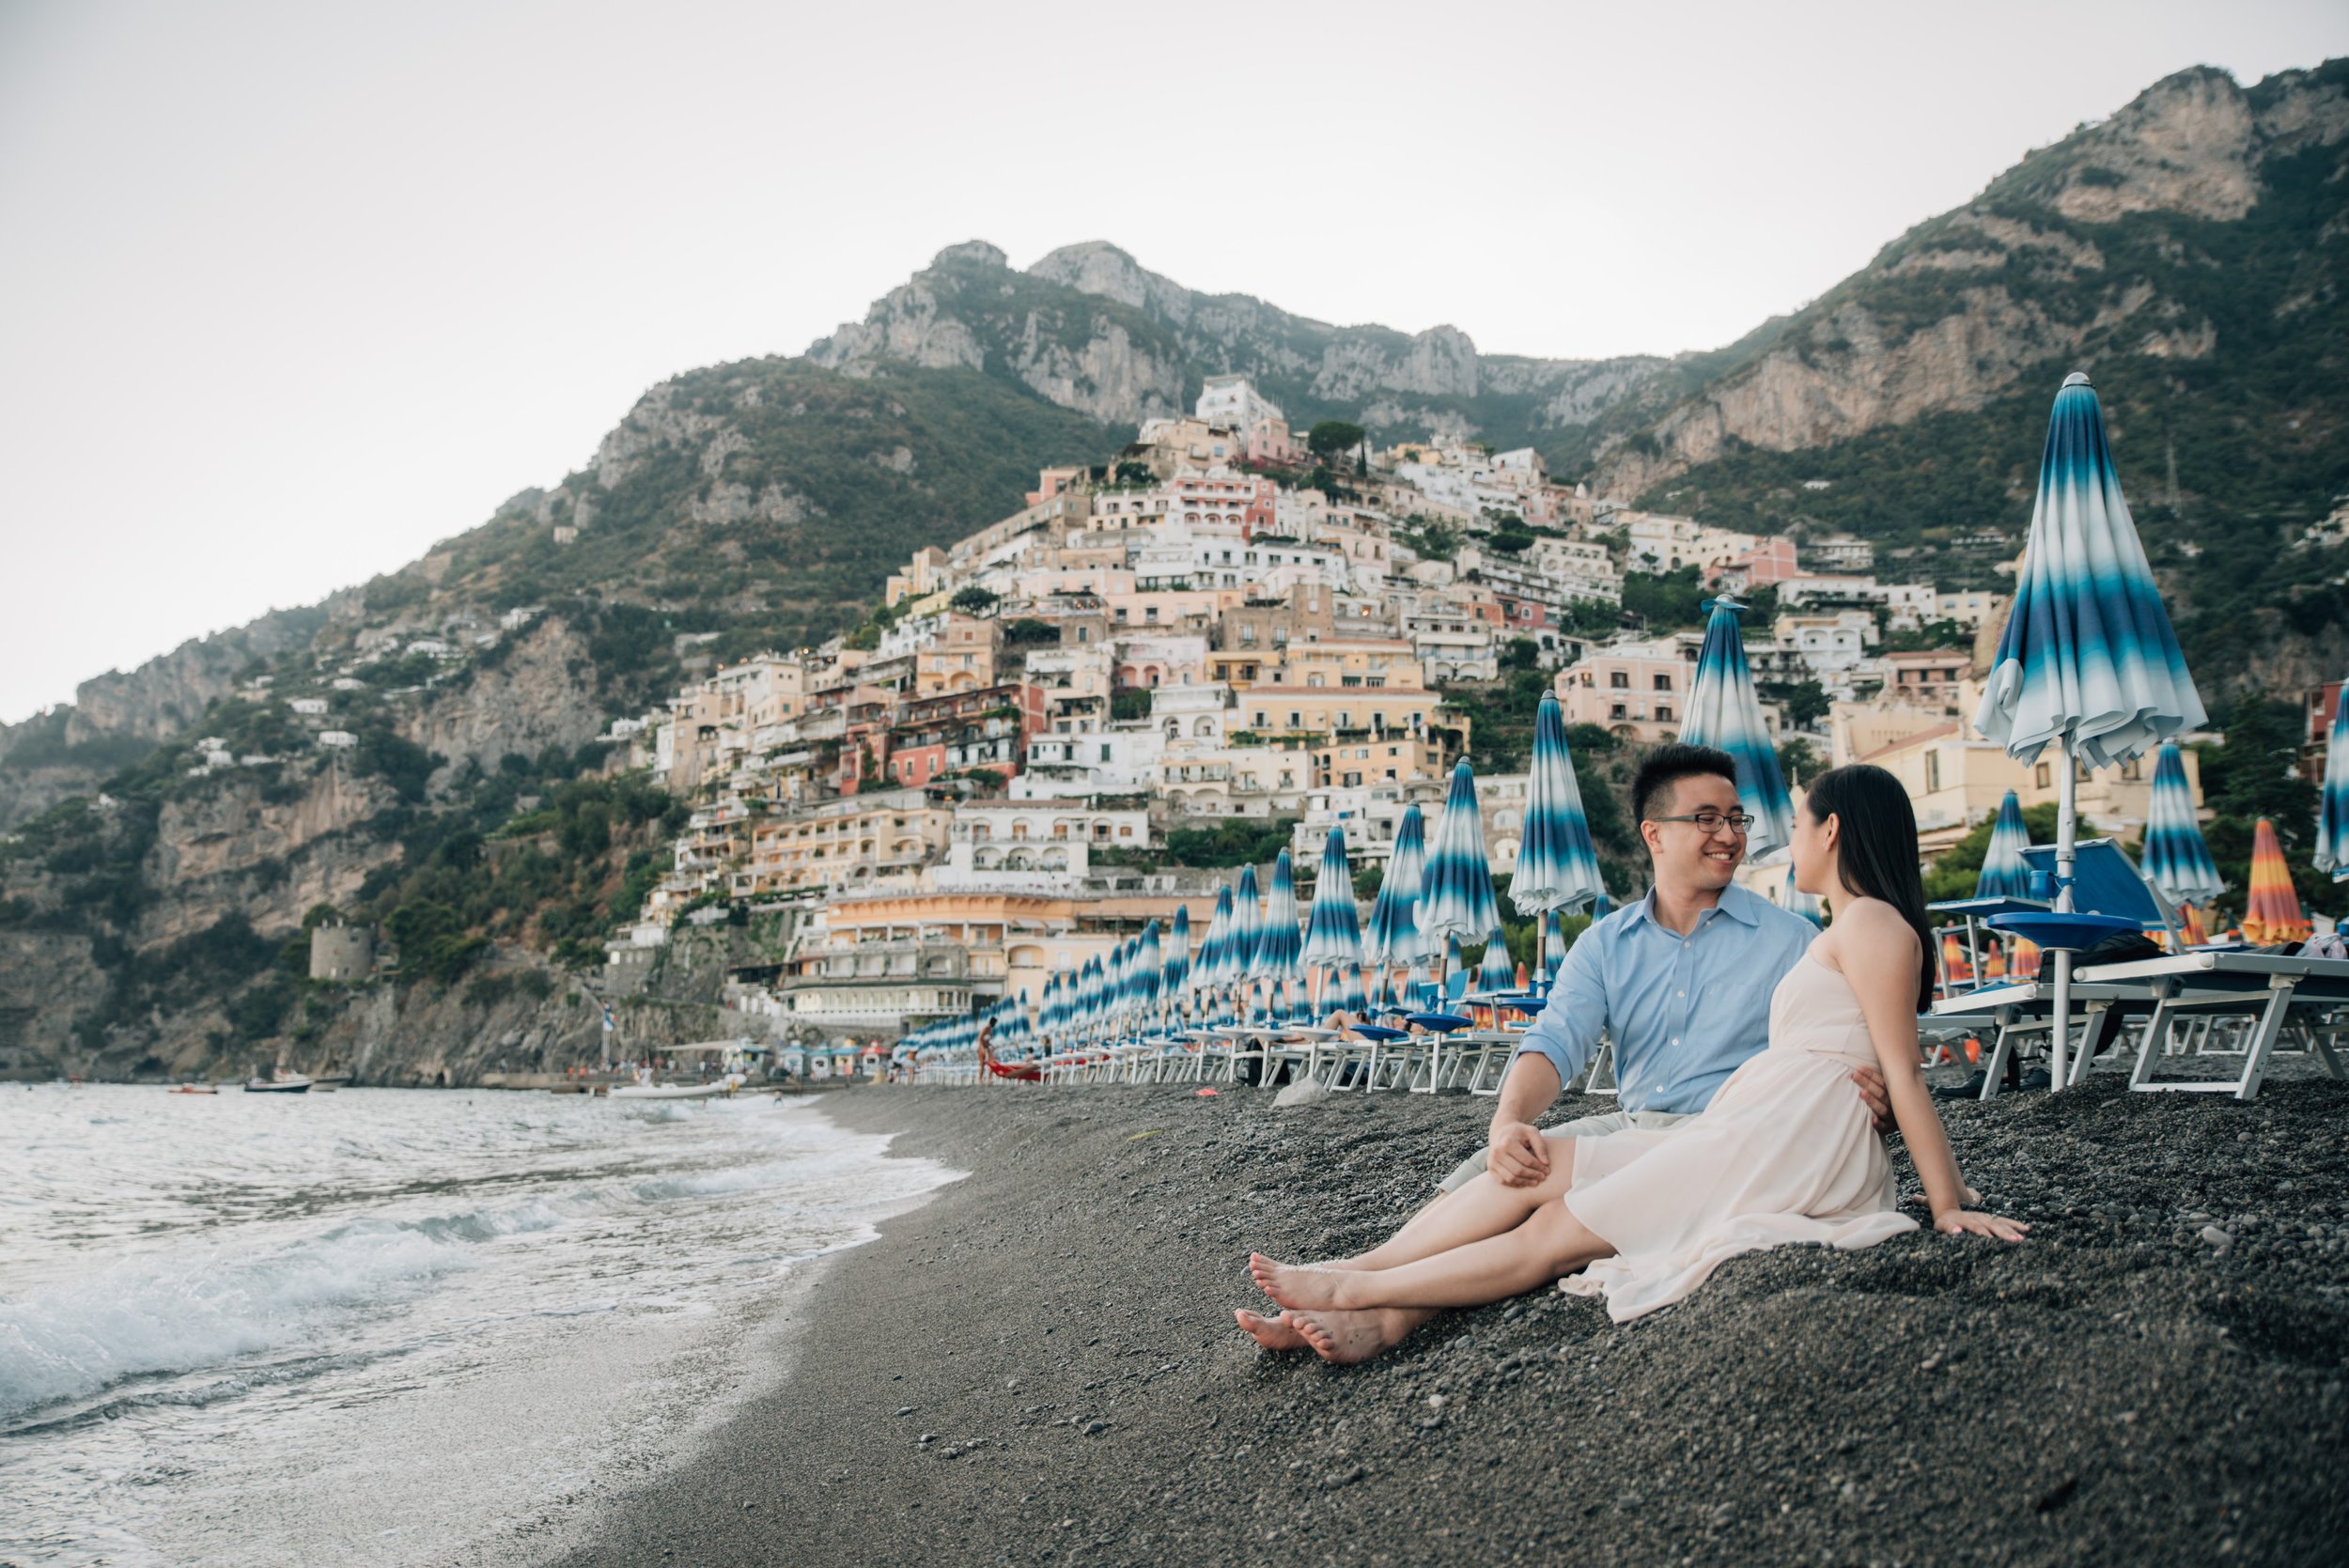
[
  {"x": 1343, "y": 1338},
  {"x": 1304, "y": 1286},
  {"x": 1271, "y": 1332}
]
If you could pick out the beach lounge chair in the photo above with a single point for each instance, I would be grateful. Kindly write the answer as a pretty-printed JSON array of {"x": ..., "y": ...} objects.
[
  {"x": 2105, "y": 882},
  {"x": 2267, "y": 987}
]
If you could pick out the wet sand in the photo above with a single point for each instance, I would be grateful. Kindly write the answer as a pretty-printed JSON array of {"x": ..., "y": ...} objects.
[{"x": 1040, "y": 1365}]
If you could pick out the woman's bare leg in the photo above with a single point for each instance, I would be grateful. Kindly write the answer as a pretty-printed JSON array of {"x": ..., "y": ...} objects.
[
  {"x": 1550, "y": 1244},
  {"x": 1482, "y": 1208}
]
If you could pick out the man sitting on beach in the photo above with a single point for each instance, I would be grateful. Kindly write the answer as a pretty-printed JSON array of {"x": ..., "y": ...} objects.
[{"x": 1681, "y": 980}]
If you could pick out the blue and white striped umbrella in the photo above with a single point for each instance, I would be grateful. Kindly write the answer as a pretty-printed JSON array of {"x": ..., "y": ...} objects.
[
  {"x": 1247, "y": 925},
  {"x": 1724, "y": 713},
  {"x": 1334, "y": 933},
  {"x": 1176, "y": 976},
  {"x": 2004, "y": 875},
  {"x": 2332, "y": 813},
  {"x": 1557, "y": 868},
  {"x": 1147, "y": 959},
  {"x": 1554, "y": 942},
  {"x": 2088, "y": 658},
  {"x": 1457, "y": 900},
  {"x": 1497, "y": 972},
  {"x": 2177, "y": 859},
  {"x": 1395, "y": 936},
  {"x": 1279, "y": 940},
  {"x": 1209, "y": 971}
]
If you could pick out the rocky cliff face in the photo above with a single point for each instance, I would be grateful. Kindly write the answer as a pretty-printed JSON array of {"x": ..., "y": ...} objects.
[
  {"x": 1093, "y": 330},
  {"x": 2032, "y": 273},
  {"x": 116, "y": 716},
  {"x": 542, "y": 694}
]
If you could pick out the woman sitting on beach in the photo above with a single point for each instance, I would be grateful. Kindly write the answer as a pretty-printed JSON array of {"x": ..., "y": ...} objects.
[{"x": 1785, "y": 1152}]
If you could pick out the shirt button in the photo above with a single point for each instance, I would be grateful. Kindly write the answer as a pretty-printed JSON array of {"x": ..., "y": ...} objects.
[{"x": 1680, "y": 993}]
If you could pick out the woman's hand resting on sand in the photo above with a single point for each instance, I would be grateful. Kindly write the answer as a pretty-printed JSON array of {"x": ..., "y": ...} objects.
[{"x": 1967, "y": 1221}]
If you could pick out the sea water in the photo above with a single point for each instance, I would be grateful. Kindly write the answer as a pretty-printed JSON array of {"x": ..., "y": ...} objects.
[{"x": 389, "y": 1326}]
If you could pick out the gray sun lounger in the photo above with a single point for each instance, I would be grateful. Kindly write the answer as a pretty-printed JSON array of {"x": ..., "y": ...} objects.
[{"x": 2269, "y": 986}]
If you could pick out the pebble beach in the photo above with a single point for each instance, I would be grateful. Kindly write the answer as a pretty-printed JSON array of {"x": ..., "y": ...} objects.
[{"x": 1040, "y": 1365}]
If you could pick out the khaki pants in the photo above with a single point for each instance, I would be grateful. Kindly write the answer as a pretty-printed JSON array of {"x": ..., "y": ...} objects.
[{"x": 1584, "y": 1127}]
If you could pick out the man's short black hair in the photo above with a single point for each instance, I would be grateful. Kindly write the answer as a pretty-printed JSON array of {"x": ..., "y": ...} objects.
[{"x": 1667, "y": 765}]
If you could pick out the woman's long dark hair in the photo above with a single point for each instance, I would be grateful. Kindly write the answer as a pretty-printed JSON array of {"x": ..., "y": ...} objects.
[{"x": 1879, "y": 848}]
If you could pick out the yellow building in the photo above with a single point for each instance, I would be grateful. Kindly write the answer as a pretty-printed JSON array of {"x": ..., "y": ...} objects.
[
  {"x": 1955, "y": 782},
  {"x": 844, "y": 843}
]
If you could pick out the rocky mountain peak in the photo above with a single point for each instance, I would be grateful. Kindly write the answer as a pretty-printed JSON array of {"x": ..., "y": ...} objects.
[{"x": 975, "y": 251}]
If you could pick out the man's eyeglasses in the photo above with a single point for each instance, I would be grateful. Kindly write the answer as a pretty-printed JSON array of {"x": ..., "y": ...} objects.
[{"x": 1737, "y": 822}]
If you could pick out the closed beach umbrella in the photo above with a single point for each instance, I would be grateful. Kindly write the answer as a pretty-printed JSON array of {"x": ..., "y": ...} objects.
[
  {"x": 1497, "y": 972},
  {"x": 1724, "y": 713},
  {"x": 2176, "y": 857},
  {"x": 1395, "y": 935},
  {"x": 2004, "y": 875},
  {"x": 1147, "y": 961},
  {"x": 2272, "y": 913},
  {"x": 1457, "y": 900},
  {"x": 1334, "y": 933},
  {"x": 1278, "y": 940},
  {"x": 1209, "y": 971},
  {"x": 1247, "y": 925},
  {"x": 1176, "y": 976},
  {"x": 2088, "y": 660},
  {"x": 1557, "y": 868},
  {"x": 2332, "y": 812}
]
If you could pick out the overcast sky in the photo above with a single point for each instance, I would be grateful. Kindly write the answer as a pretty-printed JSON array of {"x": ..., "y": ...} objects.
[{"x": 289, "y": 291}]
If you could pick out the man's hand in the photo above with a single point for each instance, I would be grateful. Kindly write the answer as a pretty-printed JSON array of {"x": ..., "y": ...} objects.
[
  {"x": 1879, "y": 1103},
  {"x": 1517, "y": 1155}
]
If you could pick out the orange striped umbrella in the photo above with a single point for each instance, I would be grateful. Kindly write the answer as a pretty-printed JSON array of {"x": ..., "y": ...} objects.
[
  {"x": 2024, "y": 963},
  {"x": 2191, "y": 932},
  {"x": 2272, "y": 913},
  {"x": 1953, "y": 959},
  {"x": 1994, "y": 963}
]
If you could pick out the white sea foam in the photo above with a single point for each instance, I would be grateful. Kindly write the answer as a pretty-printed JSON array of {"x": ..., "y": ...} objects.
[
  {"x": 209, "y": 1305},
  {"x": 176, "y": 1316}
]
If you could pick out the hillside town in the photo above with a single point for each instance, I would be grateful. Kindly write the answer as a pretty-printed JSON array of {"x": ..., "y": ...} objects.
[{"x": 1231, "y": 624}]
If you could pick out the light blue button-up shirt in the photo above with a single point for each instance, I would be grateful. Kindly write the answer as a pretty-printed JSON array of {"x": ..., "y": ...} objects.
[{"x": 1684, "y": 1012}]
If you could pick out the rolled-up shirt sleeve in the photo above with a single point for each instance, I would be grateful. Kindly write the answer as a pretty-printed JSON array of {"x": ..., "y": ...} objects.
[{"x": 1569, "y": 1027}]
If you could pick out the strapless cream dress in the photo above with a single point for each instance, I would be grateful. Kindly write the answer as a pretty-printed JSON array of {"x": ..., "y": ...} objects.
[{"x": 1785, "y": 1152}]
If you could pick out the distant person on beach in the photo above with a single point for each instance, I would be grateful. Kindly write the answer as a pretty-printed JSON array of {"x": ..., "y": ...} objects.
[
  {"x": 1784, "y": 1151},
  {"x": 1680, "y": 980}
]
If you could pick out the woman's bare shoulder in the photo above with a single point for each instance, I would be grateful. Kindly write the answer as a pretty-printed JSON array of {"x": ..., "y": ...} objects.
[{"x": 1875, "y": 924}]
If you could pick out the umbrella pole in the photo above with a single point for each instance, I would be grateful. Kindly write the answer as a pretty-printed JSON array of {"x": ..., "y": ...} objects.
[{"x": 2067, "y": 853}]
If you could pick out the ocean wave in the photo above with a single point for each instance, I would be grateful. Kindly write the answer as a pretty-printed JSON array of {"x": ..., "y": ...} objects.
[{"x": 167, "y": 1315}]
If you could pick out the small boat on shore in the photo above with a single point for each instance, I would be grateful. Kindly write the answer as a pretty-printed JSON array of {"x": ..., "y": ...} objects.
[{"x": 194, "y": 1089}]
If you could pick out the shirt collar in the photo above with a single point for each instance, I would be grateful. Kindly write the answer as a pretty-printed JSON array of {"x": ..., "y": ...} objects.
[{"x": 1736, "y": 902}]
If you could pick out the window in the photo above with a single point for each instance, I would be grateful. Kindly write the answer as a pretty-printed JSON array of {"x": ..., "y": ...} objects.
[
  {"x": 1663, "y": 710},
  {"x": 1619, "y": 679},
  {"x": 1933, "y": 771},
  {"x": 1261, "y": 721},
  {"x": 1615, "y": 712},
  {"x": 1663, "y": 683},
  {"x": 2042, "y": 776}
]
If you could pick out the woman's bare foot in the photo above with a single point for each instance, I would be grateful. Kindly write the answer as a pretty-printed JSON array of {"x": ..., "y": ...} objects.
[
  {"x": 1271, "y": 1332},
  {"x": 1343, "y": 1338},
  {"x": 1307, "y": 1287}
]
